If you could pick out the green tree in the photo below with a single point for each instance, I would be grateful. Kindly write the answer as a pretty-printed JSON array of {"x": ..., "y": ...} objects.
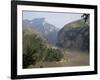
[
  {"x": 85, "y": 17},
  {"x": 32, "y": 49},
  {"x": 54, "y": 55}
]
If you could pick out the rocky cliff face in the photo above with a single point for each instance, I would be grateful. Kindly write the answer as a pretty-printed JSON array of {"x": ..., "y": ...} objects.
[{"x": 74, "y": 35}]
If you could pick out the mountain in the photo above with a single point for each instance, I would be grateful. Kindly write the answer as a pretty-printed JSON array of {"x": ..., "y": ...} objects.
[
  {"x": 47, "y": 30},
  {"x": 27, "y": 29},
  {"x": 74, "y": 35}
]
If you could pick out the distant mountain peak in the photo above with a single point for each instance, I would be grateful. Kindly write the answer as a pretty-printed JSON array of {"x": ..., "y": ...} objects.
[
  {"x": 40, "y": 25},
  {"x": 26, "y": 21},
  {"x": 38, "y": 20}
]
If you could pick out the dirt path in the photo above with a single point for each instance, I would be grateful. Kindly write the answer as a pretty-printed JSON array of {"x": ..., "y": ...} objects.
[{"x": 76, "y": 58}]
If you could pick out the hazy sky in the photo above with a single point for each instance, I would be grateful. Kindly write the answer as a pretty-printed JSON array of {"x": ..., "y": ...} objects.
[{"x": 57, "y": 19}]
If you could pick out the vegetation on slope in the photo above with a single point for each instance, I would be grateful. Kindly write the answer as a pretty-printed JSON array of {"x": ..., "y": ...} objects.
[{"x": 35, "y": 50}]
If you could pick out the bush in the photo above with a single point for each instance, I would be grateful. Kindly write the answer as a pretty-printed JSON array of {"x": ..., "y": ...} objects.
[
  {"x": 32, "y": 49},
  {"x": 54, "y": 55}
]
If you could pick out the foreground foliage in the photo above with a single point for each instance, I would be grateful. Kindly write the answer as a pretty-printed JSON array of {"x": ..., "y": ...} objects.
[{"x": 35, "y": 50}]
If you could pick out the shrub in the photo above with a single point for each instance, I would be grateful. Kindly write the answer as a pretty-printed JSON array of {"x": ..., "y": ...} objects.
[
  {"x": 32, "y": 49},
  {"x": 54, "y": 55}
]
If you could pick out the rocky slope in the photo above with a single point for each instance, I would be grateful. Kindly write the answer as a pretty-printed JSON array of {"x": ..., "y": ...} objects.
[
  {"x": 47, "y": 30},
  {"x": 74, "y": 35}
]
